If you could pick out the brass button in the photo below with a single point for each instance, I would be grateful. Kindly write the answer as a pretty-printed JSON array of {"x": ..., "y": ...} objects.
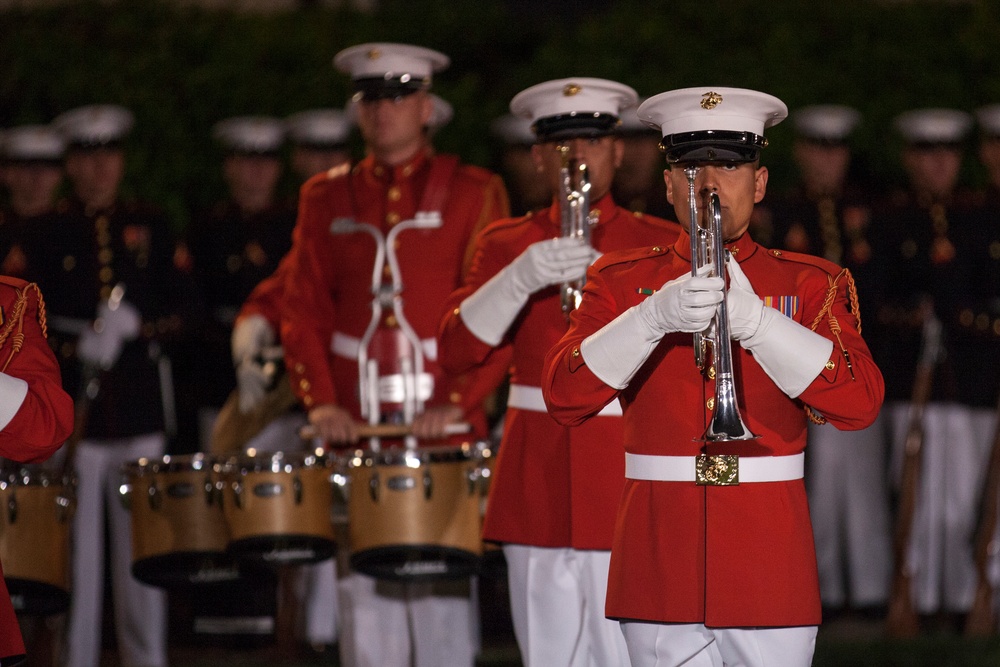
[
  {"x": 387, "y": 271},
  {"x": 657, "y": 248},
  {"x": 711, "y": 403},
  {"x": 966, "y": 317},
  {"x": 304, "y": 385},
  {"x": 390, "y": 321},
  {"x": 104, "y": 255},
  {"x": 455, "y": 397},
  {"x": 379, "y": 170},
  {"x": 576, "y": 352},
  {"x": 982, "y": 321},
  {"x": 394, "y": 193},
  {"x": 456, "y": 311},
  {"x": 392, "y": 217},
  {"x": 777, "y": 253},
  {"x": 711, "y": 372},
  {"x": 300, "y": 368},
  {"x": 307, "y": 401},
  {"x": 830, "y": 365},
  {"x": 106, "y": 274},
  {"x": 408, "y": 170},
  {"x": 102, "y": 223},
  {"x": 69, "y": 263}
]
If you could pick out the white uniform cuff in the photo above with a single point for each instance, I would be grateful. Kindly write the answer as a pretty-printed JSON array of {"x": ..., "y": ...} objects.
[
  {"x": 490, "y": 311},
  {"x": 791, "y": 355},
  {"x": 619, "y": 349},
  {"x": 12, "y": 393}
]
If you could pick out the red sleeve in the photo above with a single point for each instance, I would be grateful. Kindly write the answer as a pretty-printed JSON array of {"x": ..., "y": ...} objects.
[
  {"x": 849, "y": 391},
  {"x": 265, "y": 299},
  {"x": 37, "y": 412},
  {"x": 572, "y": 392}
]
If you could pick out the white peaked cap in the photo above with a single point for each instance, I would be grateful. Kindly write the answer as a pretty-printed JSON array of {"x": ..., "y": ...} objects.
[
  {"x": 826, "y": 122},
  {"x": 32, "y": 142},
  {"x": 933, "y": 126},
  {"x": 95, "y": 125},
  {"x": 250, "y": 134},
  {"x": 320, "y": 127},
  {"x": 712, "y": 122},
  {"x": 387, "y": 60},
  {"x": 574, "y": 106}
]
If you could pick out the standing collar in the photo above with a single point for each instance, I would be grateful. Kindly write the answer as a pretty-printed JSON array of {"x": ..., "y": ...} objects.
[
  {"x": 742, "y": 248},
  {"x": 398, "y": 172}
]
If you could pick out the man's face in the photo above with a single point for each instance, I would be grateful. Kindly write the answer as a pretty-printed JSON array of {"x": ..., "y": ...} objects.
[
  {"x": 252, "y": 177},
  {"x": 823, "y": 167},
  {"x": 33, "y": 185},
  {"x": 396, "y": 125},
  {"x": 96, "y": 174},
  {"x": 602, "y": 155},
  {"x": 933, "y": 171},
  {"x": 989, "y": 154},
  {"x": 739, "y": 185}
]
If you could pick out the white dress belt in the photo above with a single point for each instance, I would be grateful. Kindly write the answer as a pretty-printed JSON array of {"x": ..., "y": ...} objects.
[
  {"x": 348, "y": 347},
  {"x": 683, "y": 468},
  {"x": 524, "y": 397}
]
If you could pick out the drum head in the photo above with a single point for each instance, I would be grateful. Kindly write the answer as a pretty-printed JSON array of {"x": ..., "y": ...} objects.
[
  {"x": 36, "y": 598},
  {"x": 415, "y": 562},
  {"x": 281, "y": 549},
  {"x": 179, "y": 569}
]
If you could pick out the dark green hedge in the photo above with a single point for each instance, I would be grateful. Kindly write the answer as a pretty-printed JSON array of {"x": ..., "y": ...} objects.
[{"x": 182, "y": 69}]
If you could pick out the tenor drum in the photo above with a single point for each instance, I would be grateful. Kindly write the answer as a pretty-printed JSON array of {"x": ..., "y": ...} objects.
[
  {"x": 37, "y": 507},
  {"x": 279, "y": 507},
  {"x": 415, "y": 514},
  {"x": 179, "y": 533}
]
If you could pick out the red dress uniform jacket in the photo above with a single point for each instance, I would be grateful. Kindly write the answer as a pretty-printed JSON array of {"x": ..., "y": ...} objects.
[
  {"x": 553, "y": 486},
  {"x": 34, "y": 420},
  {"x": 328, "y": 278},
  {"x": 724, "y": 556}
]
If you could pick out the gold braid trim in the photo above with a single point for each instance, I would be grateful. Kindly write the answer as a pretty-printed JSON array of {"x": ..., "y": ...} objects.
[
  {"x": 835, "y": 328},
  {"x": 16, "y": 321}
]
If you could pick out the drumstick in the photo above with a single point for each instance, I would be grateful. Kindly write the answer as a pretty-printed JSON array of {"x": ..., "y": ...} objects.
[{"x": 389, "y": 430}]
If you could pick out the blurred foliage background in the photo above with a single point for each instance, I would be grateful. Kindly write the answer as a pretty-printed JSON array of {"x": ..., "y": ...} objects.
[{"x": 181, "y": 69}]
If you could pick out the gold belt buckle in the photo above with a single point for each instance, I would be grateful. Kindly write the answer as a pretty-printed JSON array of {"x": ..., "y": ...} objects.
[{"x": 717, "y": 470}]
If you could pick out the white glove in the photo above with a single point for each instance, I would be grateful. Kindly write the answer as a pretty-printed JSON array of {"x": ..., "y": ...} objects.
[
  {"x": 252, "y": 336},
  {"x": 619, "y": 349},
  {"x": 101, "y": 343},
  {"x": 252, "y": 382},
  {"x": 489, "y": 312},
  {"x": 789, "y": 353}
]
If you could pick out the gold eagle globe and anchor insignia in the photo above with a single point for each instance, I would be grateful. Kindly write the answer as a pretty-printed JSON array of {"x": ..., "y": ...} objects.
[
  {"x": 717, "y": 470},
  {"x": 571, "y": 89},
  {"x": 710, "y": 100}
]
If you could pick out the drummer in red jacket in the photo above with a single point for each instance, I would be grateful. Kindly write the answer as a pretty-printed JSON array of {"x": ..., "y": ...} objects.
[
  {"x": 708, "y": 568},
  {"x": 36, "y": 415}
]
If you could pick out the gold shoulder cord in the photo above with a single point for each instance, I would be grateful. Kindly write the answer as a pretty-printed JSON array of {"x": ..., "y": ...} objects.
[
  {"x": 16, "y": 321},
  {"x": 835, "y": 328}
]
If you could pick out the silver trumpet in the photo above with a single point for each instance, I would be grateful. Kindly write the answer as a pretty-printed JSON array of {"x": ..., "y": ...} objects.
[
  {"x": 575, "y": 216},
  {"x": 708, "y": 248}
]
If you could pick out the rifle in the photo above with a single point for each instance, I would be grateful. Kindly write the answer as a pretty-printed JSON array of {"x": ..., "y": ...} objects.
[
  {"x": 982, "y": 621},
  {"x": 902, "y": 620}
]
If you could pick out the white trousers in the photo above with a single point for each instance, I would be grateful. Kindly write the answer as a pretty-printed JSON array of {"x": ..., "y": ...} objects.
[
  {"x": 557, "y": 606},
  {"x": 694, "y": 645},
  {"x": 847, "y": 480},
  {"x": 140, "y": 610},
  {"x": 315, "y": 584},
  {"x": 953, "y": 461},
  {"x": 392, "y": 624}
]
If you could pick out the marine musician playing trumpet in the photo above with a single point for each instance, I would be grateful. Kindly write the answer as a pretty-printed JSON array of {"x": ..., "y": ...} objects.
[
  {"x": 713, "y": 558},
  {"x": 554, "y": 492}
]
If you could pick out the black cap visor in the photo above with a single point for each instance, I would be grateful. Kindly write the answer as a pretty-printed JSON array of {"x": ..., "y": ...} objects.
[
  {"x": 381, "y": 88},
  {"x": 574, "y": 125},
  {"x": 712, "y": 146}
]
